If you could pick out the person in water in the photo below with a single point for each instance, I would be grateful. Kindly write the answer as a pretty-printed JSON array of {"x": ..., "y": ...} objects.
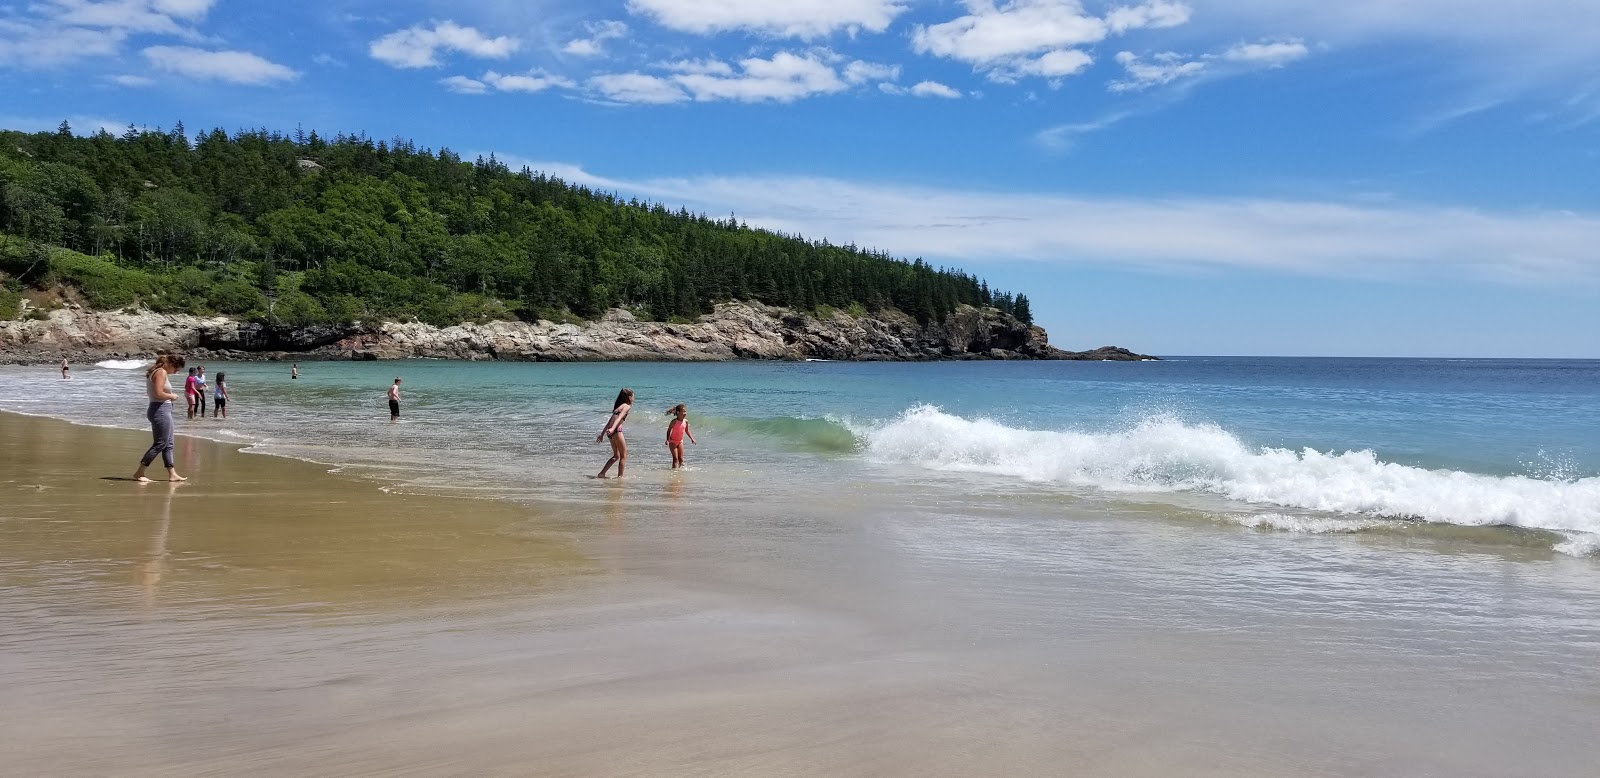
[
  {"x": 65, "y": 374},
  {"x": 613, "y": 431},
  {"x": 294, "y": 370},
  {"x": 160, "y": 416},
  {"x": 188, "y": 391},
  {"x": 221, "y": 398},
  {"x": 394, "y": 400},
  {"x": 200, "y": 390},
  {"x": 677, "y": 429}
]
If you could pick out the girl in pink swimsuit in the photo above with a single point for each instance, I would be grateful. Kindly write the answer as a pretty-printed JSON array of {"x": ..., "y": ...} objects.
[{"x": 676, "y": 430}]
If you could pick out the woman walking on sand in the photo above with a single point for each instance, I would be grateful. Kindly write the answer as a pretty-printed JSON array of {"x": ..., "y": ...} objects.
[
  {"x": 613, "y": 430},
  {"x": 160, "y": 416}
]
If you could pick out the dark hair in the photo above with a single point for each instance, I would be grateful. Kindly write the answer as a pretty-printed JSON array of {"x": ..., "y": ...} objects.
[
  {"x": 624, "y": 396},
  {"x": 191, "y": 371},
  {"x": 679, "y": 407},
  {"x": 171, "y": 362},
  {"x": 223, "y": 376}
]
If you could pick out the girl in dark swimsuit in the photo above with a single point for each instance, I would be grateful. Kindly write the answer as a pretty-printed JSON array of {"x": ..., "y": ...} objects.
[{"x": 613, "y": 430}]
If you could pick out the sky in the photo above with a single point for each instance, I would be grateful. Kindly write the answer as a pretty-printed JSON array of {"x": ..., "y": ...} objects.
[{"x": 1272, "y": 177}]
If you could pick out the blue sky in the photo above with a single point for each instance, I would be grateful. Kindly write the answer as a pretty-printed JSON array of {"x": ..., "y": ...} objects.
[{"x": 1368, "y": 177}]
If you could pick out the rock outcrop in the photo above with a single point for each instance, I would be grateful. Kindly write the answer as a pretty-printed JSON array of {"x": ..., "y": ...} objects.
[{"x": 733, "y": 331}]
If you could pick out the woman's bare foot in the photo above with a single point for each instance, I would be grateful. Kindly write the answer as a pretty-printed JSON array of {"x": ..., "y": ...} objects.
[
  {"x": 142, "y": 479},
  {"x": 175, "y": 477}
]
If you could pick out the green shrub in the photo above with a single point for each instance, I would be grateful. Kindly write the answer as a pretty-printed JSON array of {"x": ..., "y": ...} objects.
[
  {"x": 104, "y": 284},
  {"x": 236, "y": 298},
  {"x": 298, "y": 309},
  {"x": 10, "y": 303}
]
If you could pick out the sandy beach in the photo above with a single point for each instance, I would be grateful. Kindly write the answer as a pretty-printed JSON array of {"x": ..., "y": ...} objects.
[{"x": 269, "y": 617}]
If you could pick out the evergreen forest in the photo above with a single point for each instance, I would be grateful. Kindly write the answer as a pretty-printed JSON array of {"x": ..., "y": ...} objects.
[{"x": 302, "y": 229}]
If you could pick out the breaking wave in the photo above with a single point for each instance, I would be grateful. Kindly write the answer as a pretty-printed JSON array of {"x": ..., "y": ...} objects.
[{"x": 1165, "y": 454}]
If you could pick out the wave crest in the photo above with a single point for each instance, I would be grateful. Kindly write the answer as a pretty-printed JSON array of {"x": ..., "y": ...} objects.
[
  {"x": 122, "y": 364},
  {"x": 1165, "y": 454}
]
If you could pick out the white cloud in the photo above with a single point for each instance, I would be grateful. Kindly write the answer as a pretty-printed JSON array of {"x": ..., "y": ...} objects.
[
  {"x": 1053, "y": 64},
  {"x": 859, "y": 72},
  {"x": 419, "y": 47},
  {"x": 131, "y": 80},
  {"x": 462, "y": 85},
  {"x": 1036, "y": 37},
  {"x": 783, "y": 78},
  {"x": 933, "y": 89},
  {"x": 1331, "y": 239},
  {"x": 526, "y": 83},
  {"x": 1154, "y": 15},
  {"x": 236, "y": 67},
  {"x": 1271, "y": 54},
  {"x": 594, "y": 45},
  {"x": 806, "y": 19},
  {"x": 1163, "y": 68},
  {"x": 43, "y": 45},
  {"x": 637, "y": 88},
  {"x": 164, "y": 17}
]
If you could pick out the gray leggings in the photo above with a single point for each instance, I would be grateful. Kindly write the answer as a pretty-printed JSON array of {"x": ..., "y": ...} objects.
[{"x": 160, "y": 416}]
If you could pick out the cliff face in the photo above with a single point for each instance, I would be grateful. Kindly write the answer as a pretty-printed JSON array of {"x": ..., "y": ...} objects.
[{"x": 733, "y": 331}]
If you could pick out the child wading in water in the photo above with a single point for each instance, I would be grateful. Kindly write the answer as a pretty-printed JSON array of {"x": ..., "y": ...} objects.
[
  {"x": 676, "y": 430},
  {"x": 221, "y": 404},
  {"x": 613, "y": 431}
]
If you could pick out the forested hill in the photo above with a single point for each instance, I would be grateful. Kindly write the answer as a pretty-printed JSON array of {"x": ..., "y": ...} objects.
[{"x": 355, "y": 229}]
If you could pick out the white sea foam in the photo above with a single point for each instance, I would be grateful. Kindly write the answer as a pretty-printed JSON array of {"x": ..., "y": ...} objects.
[
  {"x": 1309, "y": 525},
  {"x": 1165, "y": 454},
  {"x": 122, "y": 364}
]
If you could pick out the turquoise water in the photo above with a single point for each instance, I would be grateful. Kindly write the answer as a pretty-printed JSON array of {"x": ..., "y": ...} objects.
[{"x": 1299, "y": 445}]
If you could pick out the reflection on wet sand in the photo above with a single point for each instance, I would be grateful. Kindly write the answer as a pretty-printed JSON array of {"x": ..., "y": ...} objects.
[{"x": 155, "y": 565}]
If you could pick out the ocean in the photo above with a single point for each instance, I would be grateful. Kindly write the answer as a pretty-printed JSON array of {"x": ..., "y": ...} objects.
[
  {"x": 1498, "y": 451},
  {"x": 1201, "y": 565}
]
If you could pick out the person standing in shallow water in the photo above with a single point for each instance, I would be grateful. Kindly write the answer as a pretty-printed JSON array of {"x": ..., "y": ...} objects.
[
  {"x": 294, "y": 370},
  {"x": 394, "y": 400},
  {"x": 188, "y": 391},
  {"x": 613, "y": 430},
  {"x": 200, "y": 390},
  {"x": 66, "y": 374},
  {"x": 676, "y": 430},
  {"x": 160, "y": 415}
]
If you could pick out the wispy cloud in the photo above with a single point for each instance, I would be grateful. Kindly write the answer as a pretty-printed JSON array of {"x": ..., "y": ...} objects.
[
  {"x": 1312, "y": 238},
  {"x": 1044, "y": 38},
  {"x": 62, "y": 32},
  {"x": 419, "y": 46},
  {"x": 599, "y": 34},
  {"x": 234, "y": 67},
  {"x": 784, "y": 77},
  {"x": 805, "y": 19}
]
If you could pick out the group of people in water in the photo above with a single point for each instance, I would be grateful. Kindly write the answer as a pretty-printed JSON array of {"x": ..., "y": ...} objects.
[
  {"x": 677, "y": 430},
  {"x": 161, "y": 397}
]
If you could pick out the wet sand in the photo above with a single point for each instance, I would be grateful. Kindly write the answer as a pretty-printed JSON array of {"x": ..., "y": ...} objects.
[{"x": 268, "y": 617}]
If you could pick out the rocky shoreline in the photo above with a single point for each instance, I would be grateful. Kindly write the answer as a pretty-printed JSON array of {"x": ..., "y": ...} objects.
[{"x": 735, "y": 331}]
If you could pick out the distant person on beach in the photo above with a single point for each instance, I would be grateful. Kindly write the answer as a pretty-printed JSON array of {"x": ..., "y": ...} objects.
[
  {"x": 65, "y": 376},
  {"x": 221, "y": 405},
  {"x": 160, "y": 416},
  {"x": 188, "y": 391},
  {"x": 394, "y": 400},
  {"x": 294, "y": 370},
  {"x": 200, "y": 390},
  {"x": 613, "y": 430},
  {"x": 677, "y": 429}
]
